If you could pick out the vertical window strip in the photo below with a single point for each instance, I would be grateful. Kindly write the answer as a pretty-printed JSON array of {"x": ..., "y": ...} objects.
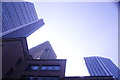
[
  {"x": 34, "y": 12},
  {"x": 12, "y": 13},
  {"x": 19, "y": 10},
  {"x": 7, "y": 13},
  {"x": 23, "y": 12},
  {"x": 100, "y": 70},
  {"x": 17, "y": 13},
  {"x": 26, "y": 10},
  {"x": 29, "y": 8},
  {"x": 104, "y": 67},
  {"x": 4, "y": 27}
]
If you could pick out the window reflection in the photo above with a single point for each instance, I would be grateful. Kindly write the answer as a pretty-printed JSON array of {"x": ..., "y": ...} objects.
[{"x": 50, "y": 68}]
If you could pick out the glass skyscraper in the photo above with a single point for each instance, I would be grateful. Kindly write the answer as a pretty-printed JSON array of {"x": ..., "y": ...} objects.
[
  {"x": 99, "y": 66},
  {"x": 19, "y": 19}
]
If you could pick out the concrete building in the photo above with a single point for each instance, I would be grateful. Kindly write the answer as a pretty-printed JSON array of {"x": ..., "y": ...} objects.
[
  {"x": 18, "y": 64},
  {"x": 99, "y": 66},
  {"x": 19, "y": 19},
  {"x": 43, "y": 69},
  {"x": 14, "y": 51},
  {"x": 43, "y": 51}
]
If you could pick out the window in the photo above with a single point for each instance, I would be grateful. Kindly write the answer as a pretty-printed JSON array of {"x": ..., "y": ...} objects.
[
  {"x": 50, "y": 68},
  {"x": 56, "y": 67},
  {"x": 32, "y": 67},
  {"x": 26, "y": 77},
  {"x": 47, "y": 78},
  {"x": 47, "y": 50},
  {"x": 44, "y": 68}
]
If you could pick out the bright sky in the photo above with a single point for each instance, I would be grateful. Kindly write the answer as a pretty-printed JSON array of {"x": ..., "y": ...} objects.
[{"x": 78, "y": 29}]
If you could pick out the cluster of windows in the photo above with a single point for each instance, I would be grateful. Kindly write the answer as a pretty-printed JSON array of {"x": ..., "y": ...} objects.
[
  {"x": 43, "y": 78},
  {"x": 32, "y": 67},
  {"x": 45, "y": 67},
  {"x": 50, "y": 67},
  {"x": 40, "y": 77}
]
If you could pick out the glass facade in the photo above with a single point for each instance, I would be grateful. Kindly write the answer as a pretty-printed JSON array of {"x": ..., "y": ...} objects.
[
  {"x": 16, "y": 14},
  {"x": 19, "y": 19},
  {"x": 98, "y": 66}
]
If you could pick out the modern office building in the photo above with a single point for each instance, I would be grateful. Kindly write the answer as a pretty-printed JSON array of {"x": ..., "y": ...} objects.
[
  {"x": 43, "y": 51},
  {"x": 19, "y": 19},
  {"x": 99, "y": 66},
  {"x": 18, "y": 64}
]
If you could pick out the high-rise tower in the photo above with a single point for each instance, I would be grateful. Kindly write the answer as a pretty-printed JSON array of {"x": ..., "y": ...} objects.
[
  {"x": 19, "y": 19},
  {"x": 99, "y": 66}
]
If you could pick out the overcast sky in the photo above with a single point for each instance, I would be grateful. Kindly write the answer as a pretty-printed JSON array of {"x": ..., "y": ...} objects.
[{"x": 78, "y": 29}]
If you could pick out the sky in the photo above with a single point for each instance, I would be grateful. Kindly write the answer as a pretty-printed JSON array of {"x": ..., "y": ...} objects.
[{"x": 76, "y": 30}]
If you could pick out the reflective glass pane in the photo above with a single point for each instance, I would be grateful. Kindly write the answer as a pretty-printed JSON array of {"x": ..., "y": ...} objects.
[
  {"x": 50, "y": 67},
  {"x": 56, "y": 67},
  {"x": 44, "y": 68},
  {"x": 34, "y": 67}
]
